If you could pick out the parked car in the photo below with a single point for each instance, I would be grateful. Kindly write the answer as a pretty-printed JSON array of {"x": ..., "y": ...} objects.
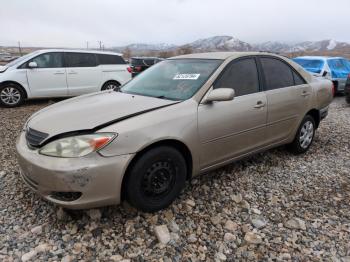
[
  {"x": 140, "y": 64},
  {"x": 180, "y": 118},
  {"x": 347, "y": 90},
  {"x": 334, "y": 68},
  {"x": 60, "y": 73}
]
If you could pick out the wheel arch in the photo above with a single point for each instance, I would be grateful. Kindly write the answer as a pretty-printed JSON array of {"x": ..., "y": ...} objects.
[
  {"x": 15, "y": 83},
  {"x": 110, "y": 80},
  {"x": 180, "y": 146},
  {"x": 315, "y": 115}
]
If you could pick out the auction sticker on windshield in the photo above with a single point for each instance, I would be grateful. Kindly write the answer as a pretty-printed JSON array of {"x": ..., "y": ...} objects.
[{"x": 186, "y": 76}]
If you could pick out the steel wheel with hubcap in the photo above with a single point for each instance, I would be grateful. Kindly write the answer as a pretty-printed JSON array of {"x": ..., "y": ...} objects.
[
  {"x": 304, "y": 137},
  {"x": 111, "y": 85},
  {"x": 155, "y": 179},
  {"x": 11, "y": 95}
]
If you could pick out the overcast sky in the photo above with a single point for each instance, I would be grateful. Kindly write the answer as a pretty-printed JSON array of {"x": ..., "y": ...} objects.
[{"x": 71, "y": 23}]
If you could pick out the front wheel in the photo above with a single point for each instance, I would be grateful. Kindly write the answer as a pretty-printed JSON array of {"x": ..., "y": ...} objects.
[
  {"x": 11, "y": 95},
  {"x": 304, "y": 136},
  {"x": 156, "y": 179}
]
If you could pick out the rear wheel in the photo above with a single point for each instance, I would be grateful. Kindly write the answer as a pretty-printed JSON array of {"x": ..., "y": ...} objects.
[
  {"x": 348, "y": 98},
  {"x": 11, "y": 95},
  {"x": 110, "y": 85},
  {"x": 304, "y": 136},
  {"x": 156, "y": 179}
]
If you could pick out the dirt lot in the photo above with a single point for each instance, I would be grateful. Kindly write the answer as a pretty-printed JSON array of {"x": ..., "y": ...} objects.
[{"x": 271, "y": 206}]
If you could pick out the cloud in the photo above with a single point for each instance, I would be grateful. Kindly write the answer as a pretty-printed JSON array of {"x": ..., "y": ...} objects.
[{"x": 115, "y": 22}]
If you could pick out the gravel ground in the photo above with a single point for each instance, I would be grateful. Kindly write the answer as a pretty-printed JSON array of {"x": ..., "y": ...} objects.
[{"x": 273, "y": 206}]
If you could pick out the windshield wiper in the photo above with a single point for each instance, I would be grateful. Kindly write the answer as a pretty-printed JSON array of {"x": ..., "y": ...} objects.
[{"x": 165, "y": 97}]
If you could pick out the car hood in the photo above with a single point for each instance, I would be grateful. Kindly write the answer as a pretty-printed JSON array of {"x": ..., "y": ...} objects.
[{"x": 92, "y": 112}]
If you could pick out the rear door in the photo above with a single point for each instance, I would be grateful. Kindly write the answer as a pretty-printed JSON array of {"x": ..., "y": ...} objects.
[
  {"x": 288, "y": 97},
  {"x": 83, "y": 73},
  {"x": 49, "y": 78},
  {"x": 232, "y": 128}
]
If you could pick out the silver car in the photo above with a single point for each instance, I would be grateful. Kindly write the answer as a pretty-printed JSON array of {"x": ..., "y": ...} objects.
[{"x": 182, "y": 117}]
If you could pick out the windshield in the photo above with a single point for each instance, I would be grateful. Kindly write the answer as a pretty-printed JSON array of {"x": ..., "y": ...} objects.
[
  {"x": 311, "y": 65},
  {"x": 20, "y": 59},
  {"x": 177, "y": 79}
]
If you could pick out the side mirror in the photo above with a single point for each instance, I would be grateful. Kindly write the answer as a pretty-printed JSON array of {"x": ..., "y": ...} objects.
[
  {"x": 32, "y": 65},
  {"x": 220, "y": 94},
  {"x": 325, "y": 73}
]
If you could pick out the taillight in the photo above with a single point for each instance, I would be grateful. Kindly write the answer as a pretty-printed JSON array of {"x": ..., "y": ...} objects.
[
  {"x": 129, "y": 69},
  {"x": 138, "y": 68}
]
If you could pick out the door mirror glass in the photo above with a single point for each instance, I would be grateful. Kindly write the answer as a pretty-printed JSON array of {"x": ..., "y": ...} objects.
[
  {"x": 220, "y": 94},
  {"x": 32, "y": 65}
]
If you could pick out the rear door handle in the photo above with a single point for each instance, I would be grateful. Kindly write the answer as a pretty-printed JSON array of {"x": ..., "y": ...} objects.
[
  {"x": 59, "y": 73},
  {"x": 73, "y": 72},
  {"x": 259, "y": 104},
  {"x": 305, "y": 93}
]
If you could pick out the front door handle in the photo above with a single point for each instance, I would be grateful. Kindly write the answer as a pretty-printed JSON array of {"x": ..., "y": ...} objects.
[{"x": 259, "y": 104}]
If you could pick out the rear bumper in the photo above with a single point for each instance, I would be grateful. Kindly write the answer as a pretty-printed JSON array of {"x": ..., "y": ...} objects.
[
  {"x": 90, "y": 181},
  {"x": 323, "y": 113},
  {"x": 341, "y": 84}
]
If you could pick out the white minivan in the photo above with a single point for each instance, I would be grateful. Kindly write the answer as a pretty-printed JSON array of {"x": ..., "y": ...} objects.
[{"x": 60, "y": 73}]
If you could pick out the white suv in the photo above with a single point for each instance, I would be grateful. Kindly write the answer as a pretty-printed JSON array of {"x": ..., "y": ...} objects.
[{"x": 60, "y": 73}]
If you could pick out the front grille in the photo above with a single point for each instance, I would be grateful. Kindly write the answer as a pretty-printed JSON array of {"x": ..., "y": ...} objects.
[
  {"x": 34, "y": 137},
  {"x": 66, "y": 196}
]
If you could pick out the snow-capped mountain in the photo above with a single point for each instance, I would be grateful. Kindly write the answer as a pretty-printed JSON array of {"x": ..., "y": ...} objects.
[
  {"x": 146, "y": 47},
  {"x": 220, "y": 43},
  {"x": 313, "y": 46},
  {"x": 324, "y": 45},
  {"x": 272, "y": 46},
  {"x": 229, "y": 43}
]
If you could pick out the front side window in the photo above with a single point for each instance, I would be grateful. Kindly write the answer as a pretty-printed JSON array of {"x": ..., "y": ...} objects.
[
  {"x": 242, "y": 76},
  {"x": 48, "y": 60},
  {"x": 277, "y": 73},
  {"x": 80, "y": 59},
  {"x": 177, "y": 79}
]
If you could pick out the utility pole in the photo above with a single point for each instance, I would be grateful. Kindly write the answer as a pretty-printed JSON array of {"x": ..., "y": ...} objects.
[
  {"x": 19, "y": 48},
  {"x": 87, "y": 44},
  {"x": 100, "y": 43}
]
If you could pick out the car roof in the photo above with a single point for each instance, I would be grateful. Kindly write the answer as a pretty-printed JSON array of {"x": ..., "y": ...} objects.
[
  {"x": 221, "y": 55},
  {"x": 79, "y": 51},
  {"x": 319, "y": 57}
]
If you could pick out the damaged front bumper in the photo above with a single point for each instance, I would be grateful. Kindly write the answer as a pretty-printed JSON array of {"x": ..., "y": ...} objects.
[{"x": 74, "y": 183}]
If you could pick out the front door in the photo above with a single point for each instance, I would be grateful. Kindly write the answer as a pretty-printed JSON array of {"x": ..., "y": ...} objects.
[
  {"x": 232, "y": 128},
  {"x": 48, "y": 79}
]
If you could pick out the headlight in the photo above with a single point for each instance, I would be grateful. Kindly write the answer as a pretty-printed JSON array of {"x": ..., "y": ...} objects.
[{"x": 77, "y": 146}]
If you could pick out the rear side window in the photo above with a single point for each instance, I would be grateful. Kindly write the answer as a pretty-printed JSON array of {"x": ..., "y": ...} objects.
[
  {"x": 277, "y": 73},
  {"x": 110, "y": 59},
  {"x": 80, "y": 59},
  {"x": 48, "y": 60},
  {"x": 242, "y": 76},
  {"x": 297, "y": 79}
]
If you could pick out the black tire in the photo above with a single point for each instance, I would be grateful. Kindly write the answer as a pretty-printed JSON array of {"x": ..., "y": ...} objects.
[
  {"x": 110, "y": 85},
  {"x": 156, "y": 179},
  {"x": 299, "y": 145},
  {"x": 11, "y": 95}
]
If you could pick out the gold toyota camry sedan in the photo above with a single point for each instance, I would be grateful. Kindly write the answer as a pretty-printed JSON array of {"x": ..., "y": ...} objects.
[{"x": 180, "y": 118}]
